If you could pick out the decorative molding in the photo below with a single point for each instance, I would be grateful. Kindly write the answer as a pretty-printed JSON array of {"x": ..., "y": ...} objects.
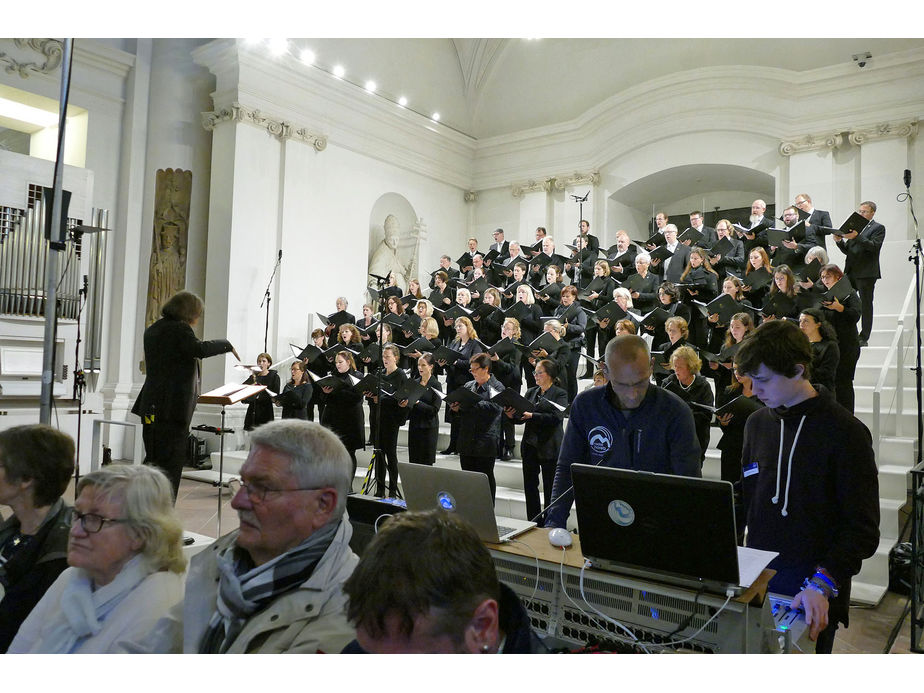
[
  {"x": 279, "y": 129},
  {"x": 882, "y": 131},
  {"x": 470, "y": 196},
  {"x": 51, "y": 49},
  {"x": 565, "y": 182},
  {"x": 520, "y": 189},
  {"x": 811, "y": 143}
]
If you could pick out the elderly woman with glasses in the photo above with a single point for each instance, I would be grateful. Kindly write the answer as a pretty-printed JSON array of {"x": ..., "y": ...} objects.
[
  {"x": 36, "y": 464},
  {"x": 127, "y": 567}
]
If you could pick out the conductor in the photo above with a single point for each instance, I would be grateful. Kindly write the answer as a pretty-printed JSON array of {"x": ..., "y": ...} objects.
[{"x": 168, "y": 397}]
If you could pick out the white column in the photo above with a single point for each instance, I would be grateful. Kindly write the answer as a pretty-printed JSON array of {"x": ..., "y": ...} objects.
[
  {"x": 243, "y": 227},
  {"x": 532, "y": 212},
  {"x": 884, "y": 155}
]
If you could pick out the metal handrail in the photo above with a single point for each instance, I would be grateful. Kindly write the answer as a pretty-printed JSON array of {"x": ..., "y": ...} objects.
[{"x": 898, "y": 351}]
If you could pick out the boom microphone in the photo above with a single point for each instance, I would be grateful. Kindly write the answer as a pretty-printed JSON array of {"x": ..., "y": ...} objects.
[{"x": 907, "y": 178}]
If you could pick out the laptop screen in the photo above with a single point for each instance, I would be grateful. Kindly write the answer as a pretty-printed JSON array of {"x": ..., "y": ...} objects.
[{"x": 675, "y": 527}]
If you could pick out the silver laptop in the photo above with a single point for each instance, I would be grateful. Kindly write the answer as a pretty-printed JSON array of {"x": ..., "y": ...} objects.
[{"x": 458, "y": 491}]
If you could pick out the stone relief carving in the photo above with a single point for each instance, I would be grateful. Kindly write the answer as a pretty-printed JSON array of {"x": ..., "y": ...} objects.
[
  {"x": 557, "y": 182},
  {"x": 167, "y": 270},
  {"x": 881, "y": 131},
  {"x": 387, "y": 257},
  {"x": 520, "y": 189},
  {"x": 565, "y": 182},
  {"x": 50, "y": 49},
  {"x": 470, "y": 196},
  {"x": 809, "y": 143},
  {"x": 279, "y": 129}
]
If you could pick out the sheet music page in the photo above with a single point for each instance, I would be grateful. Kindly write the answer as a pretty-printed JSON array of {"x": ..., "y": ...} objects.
[{"x": 751, "y": 562}]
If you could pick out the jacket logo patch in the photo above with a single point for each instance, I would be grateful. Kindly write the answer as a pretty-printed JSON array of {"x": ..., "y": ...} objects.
[{"x": 600, "y": 440}]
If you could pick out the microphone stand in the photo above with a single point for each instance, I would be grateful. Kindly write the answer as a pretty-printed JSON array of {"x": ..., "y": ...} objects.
[
  {"x": 80, "y": 382},
  {"x": 267, "y": 298},
  {"x": 377, "y": 464},
  {"x": 917, "y": 512}
]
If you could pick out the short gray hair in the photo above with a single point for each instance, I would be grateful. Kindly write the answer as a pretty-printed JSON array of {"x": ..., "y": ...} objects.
[
  {"x": 816, "y": 251},
  {"x": 317, "y": 458},
  {"x": 146, "y": 497},
  {"x": 644, "y": 257}
]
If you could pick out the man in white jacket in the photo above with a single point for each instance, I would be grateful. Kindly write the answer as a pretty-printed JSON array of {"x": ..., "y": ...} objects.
[{"x": 274, "y": 585}]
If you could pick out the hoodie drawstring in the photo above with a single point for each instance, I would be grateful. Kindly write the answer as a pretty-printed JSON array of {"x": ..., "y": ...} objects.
[{"x": 779, "y": 464}]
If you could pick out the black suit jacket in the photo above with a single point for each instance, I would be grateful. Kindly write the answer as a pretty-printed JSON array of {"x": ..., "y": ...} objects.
[
  {"x": 171, "y": 353},
  {"x": 678, "y": 264},
  {"x": 544, "y": 430},
  {"x": 863, "y": 252},
  {"x": 819, "y": 217}
]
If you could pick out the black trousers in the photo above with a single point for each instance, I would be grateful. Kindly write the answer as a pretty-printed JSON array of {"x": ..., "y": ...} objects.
[
  {"x": 421, "y": 445},
  {"x": 865, "y": 288},
  {"x": 570, "y": 380},
  {"x": 508, "y": 439},
  {"x": 843, "y": 379},
  {"x": 533, "y": 465},
  {"x": 165, "y": 448},
  {"x": 485, "y": 465},
  {"x": 388, "y": 444}
]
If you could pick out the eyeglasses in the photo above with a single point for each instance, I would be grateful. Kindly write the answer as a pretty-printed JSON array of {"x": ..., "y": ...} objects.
[
  {"x": 257, "y": 492},
  {"x": 91, "y": 523}
]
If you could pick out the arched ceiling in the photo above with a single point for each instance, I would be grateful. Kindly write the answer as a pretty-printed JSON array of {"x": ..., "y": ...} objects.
[{"x": 488, "y": 87}]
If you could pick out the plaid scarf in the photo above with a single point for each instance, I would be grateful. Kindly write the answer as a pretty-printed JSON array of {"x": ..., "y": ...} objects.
[{"x": 243, "y": 589}]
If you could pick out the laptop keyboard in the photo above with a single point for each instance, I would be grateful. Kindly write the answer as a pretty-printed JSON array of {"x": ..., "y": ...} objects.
[{"x": 503, "y": 531}]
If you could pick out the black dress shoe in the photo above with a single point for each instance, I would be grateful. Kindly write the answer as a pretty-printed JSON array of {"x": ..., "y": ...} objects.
[
  {"x": 506, "y": 456},
  {"x": 448, "y": 451},
  {"x": 864, "y": 343}
]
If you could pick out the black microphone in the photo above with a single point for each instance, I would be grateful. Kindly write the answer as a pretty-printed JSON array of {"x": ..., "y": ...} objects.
[
  {"x": 279, "y": 259},
  {"x": 86, "y": 285},
  {"x": 907, "y": 178}
]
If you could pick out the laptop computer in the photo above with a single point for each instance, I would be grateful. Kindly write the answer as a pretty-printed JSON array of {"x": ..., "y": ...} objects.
[
  {"x": 459, "y": 491},
  {"x": 674, "y": 529}
]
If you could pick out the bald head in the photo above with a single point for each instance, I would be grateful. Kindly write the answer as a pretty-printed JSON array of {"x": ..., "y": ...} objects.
[{"x": 628, "y": 364}]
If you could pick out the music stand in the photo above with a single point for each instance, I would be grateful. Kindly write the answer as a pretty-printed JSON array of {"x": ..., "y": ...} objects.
[{"x": 232, "y": 393}]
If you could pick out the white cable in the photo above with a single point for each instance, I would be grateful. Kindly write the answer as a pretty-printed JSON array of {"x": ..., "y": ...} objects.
[
  {"x": 702, "y": 627},
  {"x": 536, "y": 555},
  {"x": 596, "y": 624},
  {"x": 603, "y": 615},
  {"x": 375, "y": 525}
]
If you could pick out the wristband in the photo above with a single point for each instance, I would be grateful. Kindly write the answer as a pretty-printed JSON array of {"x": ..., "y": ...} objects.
[
  {"x": 807, "y": 585},
  {"x": 826, "y": 580}
]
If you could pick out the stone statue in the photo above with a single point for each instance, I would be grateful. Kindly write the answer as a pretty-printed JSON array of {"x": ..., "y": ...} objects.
[
  {"x": 386, "y": 257},
  {"x": 167, "y": 269}
]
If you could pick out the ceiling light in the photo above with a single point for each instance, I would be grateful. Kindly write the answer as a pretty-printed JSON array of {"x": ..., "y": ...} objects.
[
  {"x": 370, "y": 86},
  {"x": 402, "y": 102},
  {"x": 339, "y": 72},
  {"x": 307, "y": 56},
  {"x": 27, "y": 114},
  {"x": 435, "y": 116}
]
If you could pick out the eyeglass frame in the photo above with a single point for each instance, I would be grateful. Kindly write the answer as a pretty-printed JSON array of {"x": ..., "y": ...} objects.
[
  {"x": 77, "y": 516},
  {"x": 259, "y": 497}
]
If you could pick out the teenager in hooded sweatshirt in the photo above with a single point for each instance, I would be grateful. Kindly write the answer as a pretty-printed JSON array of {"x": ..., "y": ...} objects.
[{"x": 810, "y": 482}]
